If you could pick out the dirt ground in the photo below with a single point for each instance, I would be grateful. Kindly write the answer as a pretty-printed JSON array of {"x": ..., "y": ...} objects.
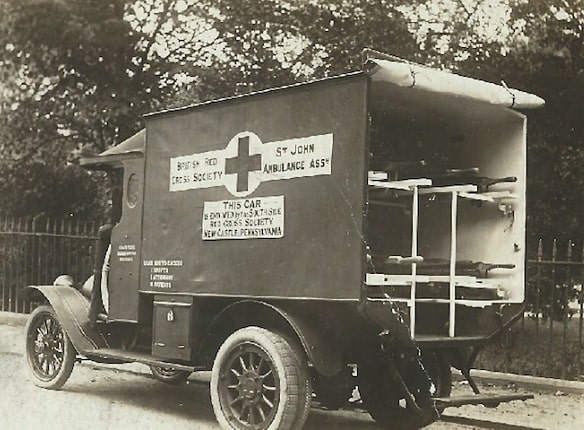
[
  {"x": 547, "y": 410},
  {"x": 120, "y": 398}
]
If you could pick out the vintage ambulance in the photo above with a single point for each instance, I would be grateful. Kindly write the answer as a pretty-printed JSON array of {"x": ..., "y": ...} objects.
[{"x": 365, "y": 230}]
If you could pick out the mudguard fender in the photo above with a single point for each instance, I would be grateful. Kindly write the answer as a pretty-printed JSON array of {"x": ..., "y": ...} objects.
[
  {"x": 72, "y": 310},
  {"x": 320, "y": 350},
  {"x": 393, "y": 331},
  {"x": 322, "y": 353}
]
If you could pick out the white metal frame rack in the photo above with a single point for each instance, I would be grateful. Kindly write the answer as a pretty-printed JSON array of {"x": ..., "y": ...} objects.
[{"x": 423, "y": 186}]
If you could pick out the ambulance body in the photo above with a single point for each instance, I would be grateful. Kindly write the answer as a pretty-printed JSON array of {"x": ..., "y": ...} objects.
[{"x": 366, "y": 229}]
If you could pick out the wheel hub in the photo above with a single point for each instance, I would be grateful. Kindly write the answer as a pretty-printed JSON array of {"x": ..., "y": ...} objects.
[
  {"x": 250, "y": 387},
  {"x": 48, "y": 347},
  {"x": 41, "y": 343}
]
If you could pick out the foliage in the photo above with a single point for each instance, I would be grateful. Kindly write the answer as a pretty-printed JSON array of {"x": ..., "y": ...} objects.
[
  {"x": 538, "y": 348},
  {"x": 76, "y": 76},
  {"x": 76, "y": 79},
  {"x": 539, "y": 49},
  {"x": 33, "y": 187},
  {"x": 555, "y": 64},
  {"x": 271, "y": 43},
  {"x": 551, "y": 300}
]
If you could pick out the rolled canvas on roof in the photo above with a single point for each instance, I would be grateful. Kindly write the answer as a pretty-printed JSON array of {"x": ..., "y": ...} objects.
[{"x": 412, "y": 76}]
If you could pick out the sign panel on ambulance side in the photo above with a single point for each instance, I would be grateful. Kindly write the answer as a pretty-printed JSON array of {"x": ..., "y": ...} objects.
[
  {"x": 246, "y": 162},
  {"x": 257, "y": 218}
]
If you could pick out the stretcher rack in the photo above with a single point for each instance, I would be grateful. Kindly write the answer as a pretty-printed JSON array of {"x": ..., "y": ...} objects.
[
  {"x": 403, "y": 170},
  {"x": 412, "y": 185},
  {"x": 478, "y": 269},
  {"x": 444, "y": 271}
]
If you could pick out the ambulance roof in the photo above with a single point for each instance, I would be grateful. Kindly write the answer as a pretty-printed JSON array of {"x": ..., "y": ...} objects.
[
  {"x": 130, "y": 148},
  {"x": 391, "y": 74},
  {"x": 399, "y": 82}
]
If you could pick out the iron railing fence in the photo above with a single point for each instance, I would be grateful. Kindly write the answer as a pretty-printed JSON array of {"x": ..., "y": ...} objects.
[
  {"x": 547, "y": 341},
  {"x": 35, "y": 251}
]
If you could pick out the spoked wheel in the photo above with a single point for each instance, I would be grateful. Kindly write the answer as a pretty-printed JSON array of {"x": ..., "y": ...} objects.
[
  {"x": 383, "y": 399},
  {"x": 168, "y": 375},
  {"x": 259, "y": 383},
  {"x": 49, "y": 352}
]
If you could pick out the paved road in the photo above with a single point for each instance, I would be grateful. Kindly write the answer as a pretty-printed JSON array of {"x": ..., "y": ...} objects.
[{"x": 108, "y": 398}]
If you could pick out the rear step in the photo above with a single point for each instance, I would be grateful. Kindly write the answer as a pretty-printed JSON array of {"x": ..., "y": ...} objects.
[
  {"x": 488, "y": 400},
  {"x": 137, "y": 357}
]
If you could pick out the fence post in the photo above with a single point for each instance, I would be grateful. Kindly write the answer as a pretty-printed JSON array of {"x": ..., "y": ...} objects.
[
  {"x": 47, "y": 263},
  {"x": 77, "y": 255},
  {"x": 54, "y": 246},
  {"x": 538, "y": 284},
  {"x": 12, "y": 267},
  {"x": 581, "y": 302},
  {"x": 69, "y": 246},
  {"x": 62, "y": 242},
  {"x": 4, "y": 264},
  {"x": 565, "y": 303},
  {"x": 552, "y": 301}
]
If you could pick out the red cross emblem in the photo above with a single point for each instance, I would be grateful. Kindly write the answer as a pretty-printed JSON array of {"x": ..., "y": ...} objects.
[{"x": 243, "y": 164}]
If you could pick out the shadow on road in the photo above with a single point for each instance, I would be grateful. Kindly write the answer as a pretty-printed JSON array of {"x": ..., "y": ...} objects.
[
  {"x": 484, "y": 424},
  {"x": 190, "y": 401}
]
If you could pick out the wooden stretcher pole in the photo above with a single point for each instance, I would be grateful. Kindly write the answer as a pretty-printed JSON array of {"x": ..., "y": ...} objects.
[{"x": 452, "y": 295}]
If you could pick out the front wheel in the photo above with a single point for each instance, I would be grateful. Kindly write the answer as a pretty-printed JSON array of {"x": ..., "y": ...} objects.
[
  {"x": 50, "y": 355},
  {"x": 258, "y": 382}
]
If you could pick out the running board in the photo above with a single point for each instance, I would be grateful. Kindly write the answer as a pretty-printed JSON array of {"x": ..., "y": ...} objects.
[
  {"x": 137, "y": 357},
  {"x": 479, "y": 399}
]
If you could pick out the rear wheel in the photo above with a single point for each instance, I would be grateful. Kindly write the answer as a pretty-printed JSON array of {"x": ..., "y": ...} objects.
[
  {"x": 384, "y": 400},
  {"x": 258, "y": 382},
  {"x": 50, "y": 355},
  {"x": 334, "y": 392},
  {"x": 438, "y": 369},
  {"x": 168, "y": 375}
]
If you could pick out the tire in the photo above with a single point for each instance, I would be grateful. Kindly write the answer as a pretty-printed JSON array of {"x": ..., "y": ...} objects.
[
  {"x": 259, "y": 382},
  {"x": 334, "y": 392},
  {"x": 170, "y": 376},
  {"x": 50, "y": 355},
  {"x": 438, "y": 369},
  {"x": 384, "y": 400},
  {"x": 305, "y": 391}
]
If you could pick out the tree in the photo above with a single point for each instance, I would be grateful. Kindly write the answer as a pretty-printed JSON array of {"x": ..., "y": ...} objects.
[
  {"x": 538, "y": 47},
  {"x": 80, "y": 77},
  {"x": 544, "y": 54},
  {"x": 553, "y": 58},
  {"x": 76, "y": 78},
  {"x": 272, "y": 43}
]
